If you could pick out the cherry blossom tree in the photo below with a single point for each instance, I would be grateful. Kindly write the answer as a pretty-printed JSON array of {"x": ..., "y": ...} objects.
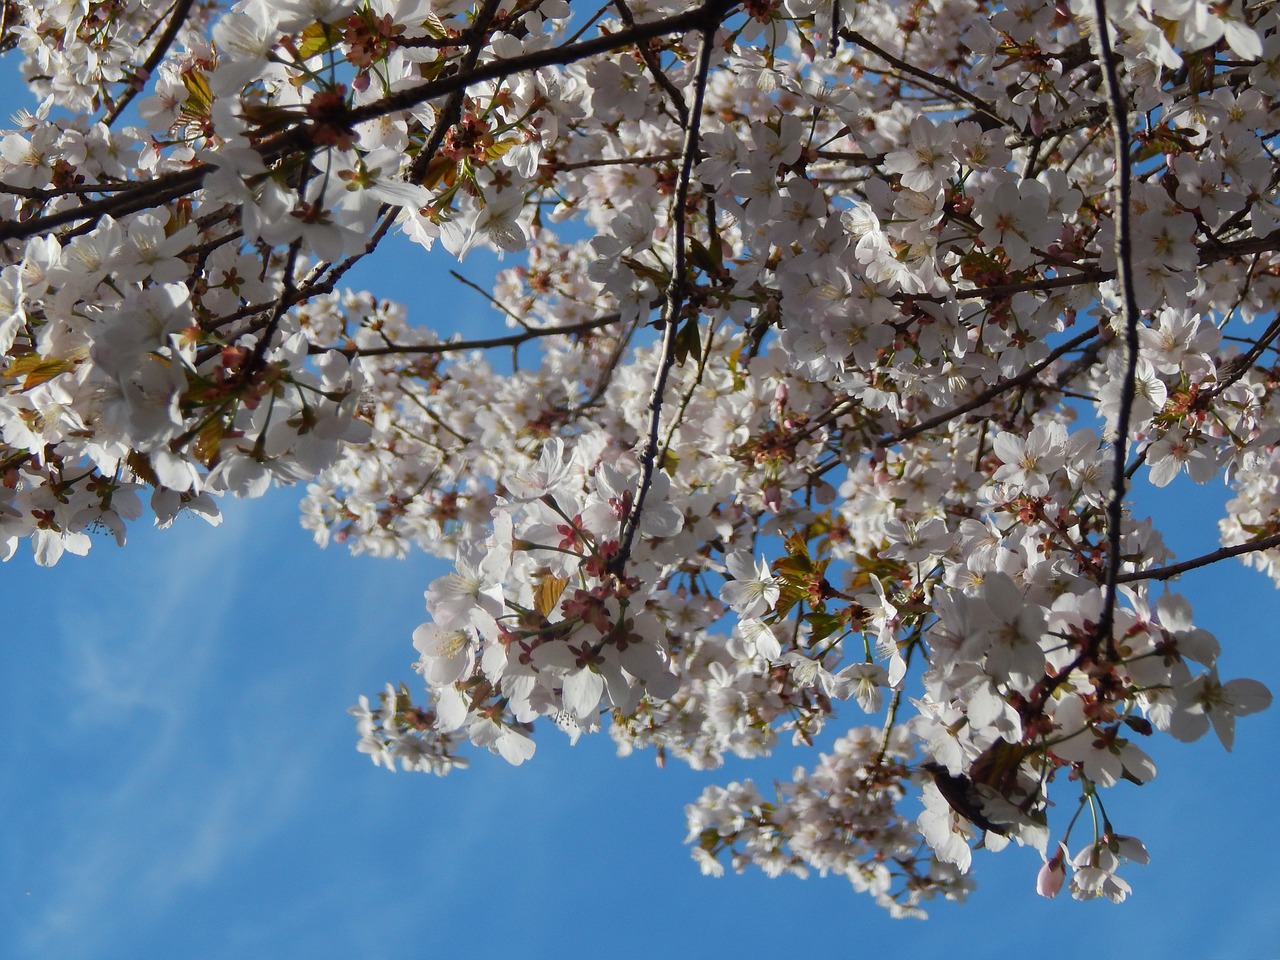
[{"x": 838, "y": 332}]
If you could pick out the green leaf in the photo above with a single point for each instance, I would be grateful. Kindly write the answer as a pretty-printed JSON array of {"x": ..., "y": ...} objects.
[
  {"x": 789, "y": 594},
  {"x": 822, "y": 624},
  {"x": 209, "y": 442},
  {"x": 646, "y": 272},
  {"x": 36, "y": 369},
  {"x": 548, "y": 592},
  {"x": 440, "y": 169},
  {"x": 316, "y": 39},
  {"x": 702, "y": 257},
  {"x": 670, "y": 462},
  {"x": 687, "y": 343},
  {"x": 434, "y": 26},
  {"x": 199, "y": 100},
  {"x": 140, "y": 464},
  {"x": 499, "y": 147}
]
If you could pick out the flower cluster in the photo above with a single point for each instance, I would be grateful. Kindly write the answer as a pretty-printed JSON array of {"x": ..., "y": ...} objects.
[{"x": 837, "y": 333}]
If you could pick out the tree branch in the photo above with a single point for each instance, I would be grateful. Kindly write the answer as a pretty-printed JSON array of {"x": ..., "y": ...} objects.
[
  {"x": 853, "y": 36},
  {"x": 986, "y": 396},
  {"x": 709, "y": 20},
  {"x": 1119, "y": 111},
  {"x": 178, "y": 17},
  {"x": 535, "y": 59},
  {"x": 655, "y": 68},
  {"x": 454, "y": 346},
  {"x": 1176, "y": 569}
]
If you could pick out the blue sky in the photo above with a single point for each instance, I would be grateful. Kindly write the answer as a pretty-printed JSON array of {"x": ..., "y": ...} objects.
[{"x": 181, "y": 781}]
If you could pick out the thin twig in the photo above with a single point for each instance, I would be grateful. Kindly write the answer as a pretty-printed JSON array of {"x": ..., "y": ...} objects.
[
  {"x": 853, "y": 36},
  {"x": 655, "y": 68},
  {"x": 493, "y": 301},
  {"x": 1231, "y": 372},
  {"x": 986, "y": 396},
  {"x": 886, "y": 732},
  {"x": 1175, "y": 569},
  {"x": 177, "y": 17},
  {"x": 454, "y": 346}
]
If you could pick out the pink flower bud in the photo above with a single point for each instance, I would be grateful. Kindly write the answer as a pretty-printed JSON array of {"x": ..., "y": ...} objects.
[{"x": 1051, "y": 876}]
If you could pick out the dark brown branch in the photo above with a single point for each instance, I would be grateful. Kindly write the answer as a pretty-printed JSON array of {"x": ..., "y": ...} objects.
[
  {"x": 845, "y": 156},
  {"x": 318, "y": 283},
  {"x": 1239, "y": 366},
  {"x": 1176, "y": 569},
  {"x": 1118, "y": 109},
  {"x": 70, "y": 190},
  {"x": 675, "y": 288},
  {"x": 853, "y": 36},
  {"x": 553, "y": 56},
  {"x": 1000, "y": 291},
  {"x": 655, "y": 68},
  {"x": 150, "y": 193},
  {"x": 986, "y": 396},
  {"x": 1213, "y": 252},
  {"x": 451, "y": 113},
  {"x": 559, "y": 166},
  {"x": 453, "y": 346},
  {"x": 257, "y": 359}
]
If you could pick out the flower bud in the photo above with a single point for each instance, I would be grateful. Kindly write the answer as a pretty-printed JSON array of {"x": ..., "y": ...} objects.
[{"x": 1051, "y": 876}]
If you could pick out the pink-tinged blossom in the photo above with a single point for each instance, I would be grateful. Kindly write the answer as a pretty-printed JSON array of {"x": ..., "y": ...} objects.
[
  {"x": 915, "y": 542},
  {"x": 1175, "y": 451},
  {"x": 753, "y": 590},
  {"x": 498, "y": 223},
  {"x": 1016, "y": 628},
  {"x": 1030, "y": 461},
  {"x": 1095, "y": 867},
  {"x": 545, "y": 475},
  {"x": 510, "y": 744},
  {"x": 1180, "y": 341},
  {"x": 1204, "y": 700},
  {"x": 1150, "y": 395},
  {"x": 865, "y": 683},
  {"x": 1193, "y": 643},
  {"x": 447, "y": 655},
  {"x": 470, "y": 596},
  {"x": 1207, "y": 24},
  {"x": 1104, "y": 756},
  {"x": 927, "y": 159},
  {"x": 760, "y": 639},
  {"x": 1015, "y": 218},
  {"x": 245, "y": 40}
]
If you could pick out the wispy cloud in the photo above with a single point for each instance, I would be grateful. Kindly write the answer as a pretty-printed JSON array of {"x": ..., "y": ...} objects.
[{"x": 180, "y": 792}]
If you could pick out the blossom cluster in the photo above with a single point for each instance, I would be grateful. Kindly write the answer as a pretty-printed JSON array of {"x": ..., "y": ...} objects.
[{"x": 837, "y": 333}]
